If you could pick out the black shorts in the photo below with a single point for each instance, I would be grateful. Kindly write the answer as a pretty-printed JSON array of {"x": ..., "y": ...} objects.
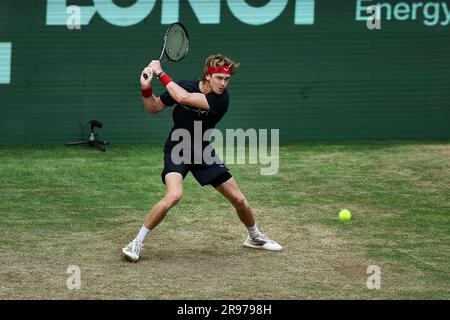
[{"x": 214, "y": 174}]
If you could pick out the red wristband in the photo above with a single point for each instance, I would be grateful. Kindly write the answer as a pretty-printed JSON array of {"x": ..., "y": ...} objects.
[
  {"x": 147, "y": 93},
  {"x": 165, "y": 79}
]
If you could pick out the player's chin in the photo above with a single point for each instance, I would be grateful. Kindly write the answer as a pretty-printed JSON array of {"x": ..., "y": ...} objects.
[{"x": 220, "y": 91}]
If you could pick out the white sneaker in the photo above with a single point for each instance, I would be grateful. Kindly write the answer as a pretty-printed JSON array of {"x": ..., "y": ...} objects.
[
  {"x": 262, "y": 242},
  {"x": 133, "y": 249}
]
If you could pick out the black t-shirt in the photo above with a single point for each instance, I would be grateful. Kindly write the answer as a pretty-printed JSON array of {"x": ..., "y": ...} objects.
[{"x": 184, "y": 116}]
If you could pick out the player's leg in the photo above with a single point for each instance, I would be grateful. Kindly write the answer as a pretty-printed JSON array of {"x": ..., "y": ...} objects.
[
  {"x": 255, "y": 239},
  {"x": 174, "y": 192},
  {"x": 232, "y": 192}
]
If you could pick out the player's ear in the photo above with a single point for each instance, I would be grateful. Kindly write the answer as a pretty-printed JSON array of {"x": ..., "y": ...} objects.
[{"x": 208, "y": 77}]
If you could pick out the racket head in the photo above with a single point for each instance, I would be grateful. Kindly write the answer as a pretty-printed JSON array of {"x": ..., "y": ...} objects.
[{"x": 176, "y": 42}]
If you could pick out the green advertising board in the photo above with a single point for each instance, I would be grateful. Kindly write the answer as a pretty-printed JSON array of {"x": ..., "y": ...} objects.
[{"x": 314, "y": 69}]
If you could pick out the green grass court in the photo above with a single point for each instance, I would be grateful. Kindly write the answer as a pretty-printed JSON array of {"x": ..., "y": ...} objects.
[{"x": 62, "y": 206}]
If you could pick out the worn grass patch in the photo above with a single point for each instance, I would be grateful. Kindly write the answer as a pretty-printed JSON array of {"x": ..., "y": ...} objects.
[{"x": 76, "y": 206}]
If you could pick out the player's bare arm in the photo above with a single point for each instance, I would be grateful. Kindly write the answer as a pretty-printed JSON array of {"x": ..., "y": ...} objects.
[
  {"x": 179, "y": 94},
  {"x": 151, "y": 103}
]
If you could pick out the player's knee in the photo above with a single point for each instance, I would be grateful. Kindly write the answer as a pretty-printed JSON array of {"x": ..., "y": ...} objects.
[
  {"x": 239, "y": 201},
  {"x": 173, "y": 198}
]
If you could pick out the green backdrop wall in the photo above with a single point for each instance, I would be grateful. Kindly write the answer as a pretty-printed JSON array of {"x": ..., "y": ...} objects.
[{"x": 313, "y": 69}]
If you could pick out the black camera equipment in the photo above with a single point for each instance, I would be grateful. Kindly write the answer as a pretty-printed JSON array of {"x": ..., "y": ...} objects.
[{"x": 93, "y": 140}]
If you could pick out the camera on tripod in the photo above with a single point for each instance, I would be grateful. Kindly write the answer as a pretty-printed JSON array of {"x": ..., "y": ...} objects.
[{"x": 93, "y": 140}]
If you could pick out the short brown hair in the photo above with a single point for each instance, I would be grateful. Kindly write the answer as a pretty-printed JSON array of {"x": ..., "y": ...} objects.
[{"x": 219, "y": 60}]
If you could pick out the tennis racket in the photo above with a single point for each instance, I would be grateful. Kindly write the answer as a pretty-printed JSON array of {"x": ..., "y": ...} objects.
[{"x": 175, "y": 45}]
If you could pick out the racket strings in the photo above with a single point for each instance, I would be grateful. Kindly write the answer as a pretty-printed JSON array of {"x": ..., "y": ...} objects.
[{"x": 177, "y": 43}]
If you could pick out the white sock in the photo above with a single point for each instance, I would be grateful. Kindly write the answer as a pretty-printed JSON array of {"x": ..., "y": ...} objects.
[
  {"x": 142, "y": 233},
  {"x": 253, "y": 231}
]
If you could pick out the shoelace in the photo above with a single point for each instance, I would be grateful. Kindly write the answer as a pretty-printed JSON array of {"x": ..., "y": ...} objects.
[
  {"x": 262, "y": 238},
  {"x": 137, "y": 247}
]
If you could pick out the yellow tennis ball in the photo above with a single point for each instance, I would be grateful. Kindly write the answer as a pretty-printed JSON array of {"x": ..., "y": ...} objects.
[{"x": 345, "y": 215}]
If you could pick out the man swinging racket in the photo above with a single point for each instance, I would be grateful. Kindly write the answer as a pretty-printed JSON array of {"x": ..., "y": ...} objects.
[{"x": 205, "y": 101}]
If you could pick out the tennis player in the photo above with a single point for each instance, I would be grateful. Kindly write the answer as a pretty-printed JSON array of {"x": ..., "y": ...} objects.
[{"x": 204, "y": 102}]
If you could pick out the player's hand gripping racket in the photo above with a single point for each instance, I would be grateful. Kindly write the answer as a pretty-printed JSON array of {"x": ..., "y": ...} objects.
[{"x": 175, "y": 45}]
